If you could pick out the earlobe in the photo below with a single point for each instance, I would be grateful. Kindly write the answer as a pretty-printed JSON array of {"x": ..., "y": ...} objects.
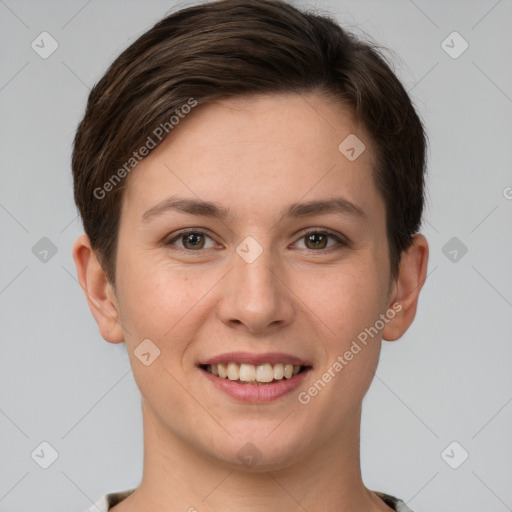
[
  {"x": 98, "y": 290},
  {"x": 406, "y": 290}
]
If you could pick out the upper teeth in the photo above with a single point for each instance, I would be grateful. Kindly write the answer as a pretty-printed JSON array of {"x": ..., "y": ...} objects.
[{"x": 251, "y": 373}]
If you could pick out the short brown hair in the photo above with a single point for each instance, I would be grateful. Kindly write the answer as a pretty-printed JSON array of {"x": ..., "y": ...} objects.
[{"x": 230, "y": 48}]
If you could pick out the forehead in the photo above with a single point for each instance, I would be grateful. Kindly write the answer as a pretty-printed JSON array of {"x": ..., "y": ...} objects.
[{"x": 254, "y": 153}]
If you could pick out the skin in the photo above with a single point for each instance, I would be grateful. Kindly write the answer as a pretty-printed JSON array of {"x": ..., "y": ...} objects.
[{"x": 254, "y": 155}]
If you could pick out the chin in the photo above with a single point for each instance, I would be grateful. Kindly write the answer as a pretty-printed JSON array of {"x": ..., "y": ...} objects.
[{"x": 261, "y": 452}]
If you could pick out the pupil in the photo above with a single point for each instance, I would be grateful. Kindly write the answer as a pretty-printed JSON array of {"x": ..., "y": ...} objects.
[
  {"x": 193, "y": 239},
  {"x": 317, "y": 239}
]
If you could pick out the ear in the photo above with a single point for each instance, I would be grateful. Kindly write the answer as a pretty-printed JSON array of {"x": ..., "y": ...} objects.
[
  {"x": 98, "y": 290},
  {"x": 406, "y": 290}
]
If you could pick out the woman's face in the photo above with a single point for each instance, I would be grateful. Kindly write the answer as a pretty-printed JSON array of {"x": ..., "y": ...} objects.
[{"x": 263, "y": 284}]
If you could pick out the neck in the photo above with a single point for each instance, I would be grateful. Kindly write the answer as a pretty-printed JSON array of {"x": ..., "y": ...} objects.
[{"x": 178, "y": 477}]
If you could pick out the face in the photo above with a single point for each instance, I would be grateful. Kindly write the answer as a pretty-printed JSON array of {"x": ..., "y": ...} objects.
[{"x": 287, "y": 264}]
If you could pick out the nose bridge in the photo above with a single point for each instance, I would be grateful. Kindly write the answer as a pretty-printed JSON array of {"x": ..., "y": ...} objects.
[
  {"x": 257, "y": 276},
  {"x": 255, "y": 296}
]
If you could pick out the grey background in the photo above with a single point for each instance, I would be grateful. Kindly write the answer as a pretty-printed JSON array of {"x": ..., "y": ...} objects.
[{"x": 448, "y": 379}]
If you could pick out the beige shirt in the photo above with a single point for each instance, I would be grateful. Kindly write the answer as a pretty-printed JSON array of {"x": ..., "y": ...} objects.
[{"x": 110, "y": 500}]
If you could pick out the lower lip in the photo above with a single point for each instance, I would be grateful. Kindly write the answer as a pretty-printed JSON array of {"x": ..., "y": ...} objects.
[{"x": 257, "y": 392}]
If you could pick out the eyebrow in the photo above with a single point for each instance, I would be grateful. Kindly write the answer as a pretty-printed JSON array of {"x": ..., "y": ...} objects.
[{"x": 211, "y": 209}]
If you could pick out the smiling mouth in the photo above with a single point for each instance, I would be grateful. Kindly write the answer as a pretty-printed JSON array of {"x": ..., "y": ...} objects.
[{"x": 254, "y": 374}]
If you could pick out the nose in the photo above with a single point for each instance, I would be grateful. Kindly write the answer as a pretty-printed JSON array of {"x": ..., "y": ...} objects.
[{"x": 255, "y": 296}]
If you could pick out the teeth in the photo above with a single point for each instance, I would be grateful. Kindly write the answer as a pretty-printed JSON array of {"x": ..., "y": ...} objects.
[
  {"x": 247, "y": 372},
  {"x": 233, "y": 371},
  {"x": 279, "y": 371},
  {"x": 221, "y": 370},
  {"x": 250, "y": 373},
  {"x": 288, "y": 371},
  {"x": 265, "y": 373}
]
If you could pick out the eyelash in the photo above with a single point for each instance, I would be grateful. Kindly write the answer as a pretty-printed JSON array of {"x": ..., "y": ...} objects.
[{"x": 341, "y": 242}]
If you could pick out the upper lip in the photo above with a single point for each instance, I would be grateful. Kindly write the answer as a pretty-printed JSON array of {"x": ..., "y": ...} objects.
[{"x": 256, "y": 359}]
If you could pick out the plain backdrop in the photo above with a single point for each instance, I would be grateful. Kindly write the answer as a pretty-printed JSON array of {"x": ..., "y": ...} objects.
[{"x": 441, "y": 393}]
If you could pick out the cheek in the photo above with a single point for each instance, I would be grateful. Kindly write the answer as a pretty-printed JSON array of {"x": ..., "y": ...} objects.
[
  {"x": 152, "y": 292},
  {"x": 346, "y": 299},
  {"x": 165, "y": 303},
  {"x": 348, "y": 309},
  {"x": 158, "y": 304}
]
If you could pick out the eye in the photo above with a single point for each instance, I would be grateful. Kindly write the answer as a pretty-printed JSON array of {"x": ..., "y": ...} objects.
[
  {"x": 191, "y": 240},
  {"x": 195, "y": 240},
  {"x": 318, "y": 240}
]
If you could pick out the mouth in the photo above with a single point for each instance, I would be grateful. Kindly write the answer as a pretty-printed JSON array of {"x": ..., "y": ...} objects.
[
  {"x": 250, "y": 374},
  {"x": 250, "y": 377}
]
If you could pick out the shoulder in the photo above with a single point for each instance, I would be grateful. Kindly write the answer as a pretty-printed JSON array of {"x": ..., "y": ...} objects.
[
  {"x": 396, "y": 503},
  {"x": 107, "y": 501}
]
